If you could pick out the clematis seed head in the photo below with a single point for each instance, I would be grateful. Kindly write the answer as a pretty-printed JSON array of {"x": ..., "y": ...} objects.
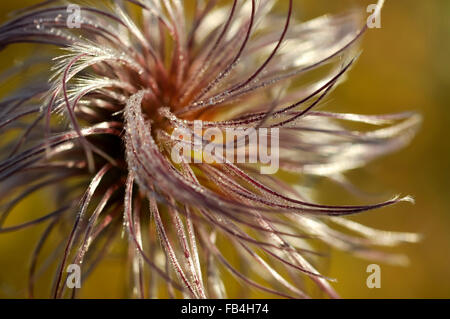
[{"x": 102, "y": 100}]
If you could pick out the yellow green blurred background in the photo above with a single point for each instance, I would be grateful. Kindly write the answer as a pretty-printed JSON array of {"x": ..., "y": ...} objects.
[{"x": 405, "y": 65}]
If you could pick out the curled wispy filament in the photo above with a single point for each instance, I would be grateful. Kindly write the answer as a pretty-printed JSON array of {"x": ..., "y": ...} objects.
[{"x": 122, "y": 87}]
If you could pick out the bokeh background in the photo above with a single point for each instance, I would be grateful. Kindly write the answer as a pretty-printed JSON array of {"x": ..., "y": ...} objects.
[{"x": 405, "y": 65}]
